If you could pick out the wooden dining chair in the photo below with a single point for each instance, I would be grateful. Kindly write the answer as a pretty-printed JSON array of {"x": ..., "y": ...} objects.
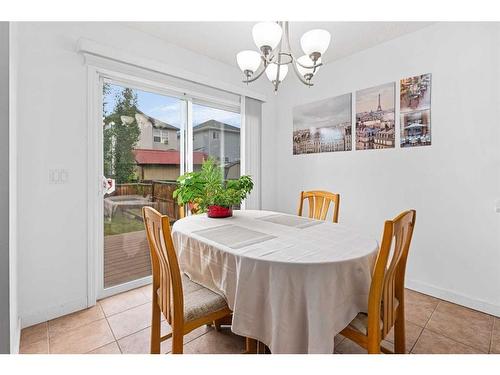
[
  {"x": 319, "y": 204},
  {"x": 184, "y": 304},
  {"x": 182, "y": 210},
  {"x": 386, "y": 296}
]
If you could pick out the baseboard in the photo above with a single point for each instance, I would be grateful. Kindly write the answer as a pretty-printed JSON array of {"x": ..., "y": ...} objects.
[
  {"x": 53, "y": 312},
  {"x": 454, "y": 297},
  {"x": 15, "y": 340}
]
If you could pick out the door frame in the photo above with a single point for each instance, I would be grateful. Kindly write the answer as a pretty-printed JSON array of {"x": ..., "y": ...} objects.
[{"x": 96, "y": 75}]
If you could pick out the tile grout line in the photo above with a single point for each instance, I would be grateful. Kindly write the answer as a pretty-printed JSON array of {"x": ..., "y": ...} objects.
[
  {"x": 446, "y": 336},
  {"x": 48, "y": 338},
  {"x": 425, "y": 326},
  {"x": 127, "y": 309},
  {"x": 491, "y": 336},
  {"x": 116, "y": 341}
]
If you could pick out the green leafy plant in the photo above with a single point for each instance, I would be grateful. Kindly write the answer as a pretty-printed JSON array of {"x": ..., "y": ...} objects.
[{"x": 207, "y": 187}]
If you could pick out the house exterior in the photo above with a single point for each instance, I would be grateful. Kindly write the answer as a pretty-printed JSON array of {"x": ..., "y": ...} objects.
[
  {"x": 156, "y": 134},
  {"x": 161, "y": 164},
  {"x": 157, "y": 153},
  {"x": 218, "y": 140}
]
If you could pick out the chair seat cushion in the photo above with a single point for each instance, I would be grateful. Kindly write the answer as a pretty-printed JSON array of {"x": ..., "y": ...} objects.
[
  {"x": 198, "y": 300},
  {"x": 360, "y": 322}
]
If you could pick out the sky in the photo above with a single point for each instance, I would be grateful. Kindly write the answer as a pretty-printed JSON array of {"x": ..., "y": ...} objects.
[
  {"x": 168, "y": 109},
  {"x": 323, "y": 113},
  {"x": 367, "y": 99}
]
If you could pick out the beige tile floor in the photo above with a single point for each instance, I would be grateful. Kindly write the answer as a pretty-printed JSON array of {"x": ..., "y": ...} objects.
[{"x": 120, "y": 324}]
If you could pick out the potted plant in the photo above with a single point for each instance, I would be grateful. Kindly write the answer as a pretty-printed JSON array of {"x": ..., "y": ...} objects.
[{"x": 207, "y": 191}]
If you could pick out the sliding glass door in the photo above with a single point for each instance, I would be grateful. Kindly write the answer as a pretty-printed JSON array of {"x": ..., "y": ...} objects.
[
  {"x": 216, "y": 135},
  {"x": 148, "y": 140},
  {"x": 142, "y": 134}
]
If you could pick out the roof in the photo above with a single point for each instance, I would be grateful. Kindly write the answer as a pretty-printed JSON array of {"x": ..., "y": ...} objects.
[
  {"x": 164, "y": 157},
  {"x": 157, "y": 123},
  {"x": 214, "y": 124}
]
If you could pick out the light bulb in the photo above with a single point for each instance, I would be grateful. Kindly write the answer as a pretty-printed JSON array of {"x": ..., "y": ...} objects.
[
  {"x": 267, "y": 35},
  {"x": 315, "y": 42},
  {"x": 248, "y": 61},
  {"x": 305, "y": 60},
  {"x": 272, "y": 71}
]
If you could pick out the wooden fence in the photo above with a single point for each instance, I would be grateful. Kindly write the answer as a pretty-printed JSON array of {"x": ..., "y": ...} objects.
[{"x": 160, "y": 192}]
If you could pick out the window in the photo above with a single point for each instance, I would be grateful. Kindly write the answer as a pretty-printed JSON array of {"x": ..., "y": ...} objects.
[
  {"x": 215, "y": 135},
  {"x": 160, "y": 136}
]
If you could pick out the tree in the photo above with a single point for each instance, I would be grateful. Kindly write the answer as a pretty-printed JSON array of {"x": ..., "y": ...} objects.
[{"x": 121, "y": 134}]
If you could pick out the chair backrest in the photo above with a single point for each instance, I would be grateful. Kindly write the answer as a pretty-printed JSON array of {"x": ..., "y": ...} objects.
[
  {"x": 387, "y": 286},
  {"x": 166, "y": 272},
  {"x": 182, "y": 210},
  {"x": 319, "y": 203}
]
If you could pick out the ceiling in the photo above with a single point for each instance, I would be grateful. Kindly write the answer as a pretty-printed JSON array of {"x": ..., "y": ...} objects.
[{"x": 223, "y": 40}]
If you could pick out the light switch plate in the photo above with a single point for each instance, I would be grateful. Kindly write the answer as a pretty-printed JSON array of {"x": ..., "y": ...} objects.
[
  {"x": 497, "y": 206},
  {"x": 58, "y": 176}
]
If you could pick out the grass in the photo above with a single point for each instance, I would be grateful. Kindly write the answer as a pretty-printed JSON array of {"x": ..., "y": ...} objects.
[{"x": 122, "y": 223}]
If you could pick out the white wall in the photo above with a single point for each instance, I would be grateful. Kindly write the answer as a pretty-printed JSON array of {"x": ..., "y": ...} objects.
[
  {"x": 52, "y": 133},
  {"x": 452, "y": 184},
  {"x": 5, "y": 325},
  {"x": 15, "y": 326}
]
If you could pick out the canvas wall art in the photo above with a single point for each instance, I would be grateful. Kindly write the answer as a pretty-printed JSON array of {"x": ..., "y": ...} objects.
[
  {"x": 375, "y": 115},
  {"x": 323, "y": 126},
  {"x": 415, "y": 110}
]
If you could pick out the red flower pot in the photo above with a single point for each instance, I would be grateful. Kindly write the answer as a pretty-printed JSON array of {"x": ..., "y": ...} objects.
[{"x": 219, "y": 211}]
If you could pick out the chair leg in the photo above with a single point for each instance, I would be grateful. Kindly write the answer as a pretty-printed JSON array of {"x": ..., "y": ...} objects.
[
  {"x": 261, "y": 348},
  {"x": 217, "y": 325},
  {"x": 399, "y": 335},
  {"x": 177, "y": 342},
  {"x": 155, "y": 329},
  {"x": 373, "y": 346},
  {"x": 251, "y": 345}
]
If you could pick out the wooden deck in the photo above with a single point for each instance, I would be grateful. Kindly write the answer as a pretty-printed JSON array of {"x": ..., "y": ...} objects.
[{"x": 126, "y": 258}]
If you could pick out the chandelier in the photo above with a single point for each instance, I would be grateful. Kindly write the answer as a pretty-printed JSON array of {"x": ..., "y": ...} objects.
[{"x": 273, "y": 41}]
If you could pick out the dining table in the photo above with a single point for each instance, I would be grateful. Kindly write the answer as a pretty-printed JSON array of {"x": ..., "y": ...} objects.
[{"x": 292, "y": 282}]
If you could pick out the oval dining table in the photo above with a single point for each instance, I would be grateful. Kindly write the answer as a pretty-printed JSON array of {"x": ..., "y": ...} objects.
[{"x": 292, "y": 282}]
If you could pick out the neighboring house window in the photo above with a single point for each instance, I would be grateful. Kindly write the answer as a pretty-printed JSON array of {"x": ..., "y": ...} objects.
[
  {"x": 160, "y": 136},
  {"x": 215, "y": 135}
]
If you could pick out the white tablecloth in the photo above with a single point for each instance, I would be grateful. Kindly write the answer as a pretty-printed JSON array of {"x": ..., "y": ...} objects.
[{"x": 292, "y": 283}]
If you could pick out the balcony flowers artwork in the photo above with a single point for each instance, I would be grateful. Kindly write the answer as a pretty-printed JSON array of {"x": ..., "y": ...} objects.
[
  {"x": 415, "y": 110},
  {"x": 207, "y": 191}
]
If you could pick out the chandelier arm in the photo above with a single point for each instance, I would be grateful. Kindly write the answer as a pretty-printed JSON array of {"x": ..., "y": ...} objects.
[
  {"x": 299, "y": 76},
  {"x": 258, "y": 75},
  {"x": 309, "y": 67},
  {"x": 284, "y": 25},
  {"x": 292, "y": 55}
]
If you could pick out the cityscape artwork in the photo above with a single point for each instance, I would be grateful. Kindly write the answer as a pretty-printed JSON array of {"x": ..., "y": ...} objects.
[
  {"x": 375, "y": 117},
  {"x": 323, "y": 126},
  {"x": 415, "y": 109}
]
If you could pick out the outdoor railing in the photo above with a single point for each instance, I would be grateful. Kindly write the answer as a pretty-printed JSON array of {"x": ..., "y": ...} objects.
[{"x": 160, "y": 192}]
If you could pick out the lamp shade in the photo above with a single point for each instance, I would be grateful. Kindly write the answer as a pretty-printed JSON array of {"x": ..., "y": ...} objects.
[
  {"x": 248, "y": 60},
  {"x": 272, "y": 71},
  {"x": 306, "y": 61},
  {"x": 315, "y": 41},
  {"x": 267, "y": 34}
]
